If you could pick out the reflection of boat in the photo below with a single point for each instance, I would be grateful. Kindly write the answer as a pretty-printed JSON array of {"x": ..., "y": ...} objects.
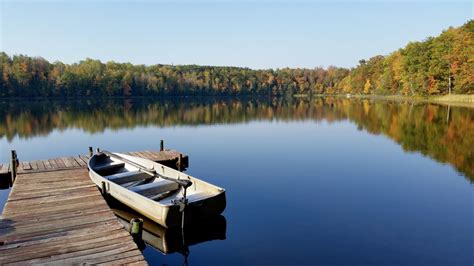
[
  {"x": 154, "y": 190},
  {"x": 170, "y": 240},
  {"x": 5, "y": 183}
]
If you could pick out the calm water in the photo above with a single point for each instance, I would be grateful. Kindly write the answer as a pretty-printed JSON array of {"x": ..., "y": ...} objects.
[{"x": 322, "y": 181}]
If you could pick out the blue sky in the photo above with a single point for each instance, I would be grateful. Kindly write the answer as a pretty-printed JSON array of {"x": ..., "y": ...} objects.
[{"x": 266, "y": 34}]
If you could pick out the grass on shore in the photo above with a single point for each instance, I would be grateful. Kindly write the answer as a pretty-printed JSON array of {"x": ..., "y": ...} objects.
[
  {"x": 463, "y": 100},
  {"x": 460, "y": 98}
]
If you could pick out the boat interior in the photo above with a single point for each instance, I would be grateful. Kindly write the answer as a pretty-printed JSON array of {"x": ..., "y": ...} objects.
[
  {"x": 149, "y": 183},
  {"x": 133, "y": 178}
]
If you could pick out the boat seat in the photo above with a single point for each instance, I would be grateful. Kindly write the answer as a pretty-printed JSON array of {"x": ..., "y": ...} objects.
[
  {"x": 155, "y": 188},
  {"x": 108, "y": 167},
  {"x": 126, "y": 177}
]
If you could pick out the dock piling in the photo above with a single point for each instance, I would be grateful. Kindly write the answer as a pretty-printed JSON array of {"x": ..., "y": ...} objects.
[
  {"x": 91, "y": 151},
  {"x": 162, "y": 145},
  {"x": 136, "y": 228},
  {"x": 103, "y": 189},
  {"x": 179, "y": 164},
  {"x": 14, "y": 164},
  {"x": 136, "y": 231}
]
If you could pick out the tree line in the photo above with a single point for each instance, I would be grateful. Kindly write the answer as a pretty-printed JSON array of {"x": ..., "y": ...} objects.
[
  {"x": 434, "y": 66},
  {"x": 440, "y": 65}
]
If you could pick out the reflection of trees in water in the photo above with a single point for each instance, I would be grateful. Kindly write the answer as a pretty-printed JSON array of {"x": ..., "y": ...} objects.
[{"x": 443, "y": 133}]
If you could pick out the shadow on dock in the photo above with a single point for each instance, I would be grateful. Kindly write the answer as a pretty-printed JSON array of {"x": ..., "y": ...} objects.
[{"x": 6, "y": 226}]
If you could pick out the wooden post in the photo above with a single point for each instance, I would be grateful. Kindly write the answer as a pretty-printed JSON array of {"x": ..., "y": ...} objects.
[
  {"x": 103, "y": 190},
  {"x": 136, "y": 228},
  {"x": 179, "y": 164},
  {"x": 98, "y": 150},
  {"x": 162, "y": 145},
  {"x": 91, "y": 151},
  {"x": 13, "y": 165}
]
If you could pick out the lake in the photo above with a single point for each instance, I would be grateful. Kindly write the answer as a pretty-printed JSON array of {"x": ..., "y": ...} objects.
[{"x": 323, "y": 181}]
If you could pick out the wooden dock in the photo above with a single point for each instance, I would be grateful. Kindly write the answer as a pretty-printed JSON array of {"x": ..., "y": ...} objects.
[
  {"x": 166, "y": 157},
  {"x": 56, "y": 215}
]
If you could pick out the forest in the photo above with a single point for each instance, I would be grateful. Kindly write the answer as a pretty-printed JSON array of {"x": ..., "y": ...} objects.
[{"x": 435, "y": 66}]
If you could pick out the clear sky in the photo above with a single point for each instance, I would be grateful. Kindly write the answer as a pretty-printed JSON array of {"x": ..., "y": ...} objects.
[{"x": 266, "y": 34}]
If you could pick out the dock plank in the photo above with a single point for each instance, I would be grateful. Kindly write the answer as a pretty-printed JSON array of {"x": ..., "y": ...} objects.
[
  {"x": 47, "y": 164},
  {"x": 45, "y": 192},
  {"x": 48, "y": 202},
  {"x": 127, "y": 260},
  {"x": 66, "y": 161},
  {"x": 63, "y": 246},
  {"x": 73, "y": 162},
  {"x": 105, "y": 226},
  {"x": 145, "y": 155},
  {"x": 36, "y": 255},
  {"x": 133, "y": 153},
  {"x": 26, "y": 165},
  {"x": 60, "y": 163},
  {"x": 34, "y": 165},
  {"x": 53, "y": 163},
  {"x": 150, "y": 155},
  {"x": 29, "y": 230},
  {"x": 124, "y": 257},
  {"x": 40, "y": 165},
  {"x": 86, "y": 253},
  {"x": 80, "y": 161},
  {"x": 54, "y": 206},
  {"x": 90, "y": 229}
]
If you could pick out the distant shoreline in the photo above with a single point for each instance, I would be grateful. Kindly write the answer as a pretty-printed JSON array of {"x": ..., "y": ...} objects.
[
  {"x": 461, "y": 100},
  {"x": 69, "y": 98}
]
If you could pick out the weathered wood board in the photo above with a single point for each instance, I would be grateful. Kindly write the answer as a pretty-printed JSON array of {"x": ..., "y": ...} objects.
[{"x": 58, "y": 216}]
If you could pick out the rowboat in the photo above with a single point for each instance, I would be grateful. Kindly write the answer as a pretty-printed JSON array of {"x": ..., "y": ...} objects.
[{"x": 158, "y": 192}]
